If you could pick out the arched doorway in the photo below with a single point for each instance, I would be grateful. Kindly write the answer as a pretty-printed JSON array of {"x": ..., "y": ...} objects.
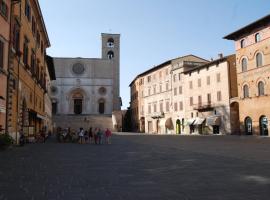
[
  {"x": 248, "y": 126},
  {"x": 101, "y": 106},
  {"x": 178, "y": 126},
  {"x": 234, "y": 119},
  {"x": 263, "y": 125},
  {"x": 78, "y": 103}
]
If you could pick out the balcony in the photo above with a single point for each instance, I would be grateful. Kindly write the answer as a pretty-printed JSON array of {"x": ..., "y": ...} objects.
[{"x": 204, "y": 106}]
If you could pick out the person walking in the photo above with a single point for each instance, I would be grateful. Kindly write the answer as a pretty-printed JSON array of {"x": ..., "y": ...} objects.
[
  {"x": 90, "y": 132},
  {"x": 99, "y": 135},
  {"x": 108, "y": 135},
  {"x": 81, "y": 135}
]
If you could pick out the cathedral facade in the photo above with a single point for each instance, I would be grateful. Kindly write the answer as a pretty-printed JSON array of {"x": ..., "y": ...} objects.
[{"x": 87, "y": 89}]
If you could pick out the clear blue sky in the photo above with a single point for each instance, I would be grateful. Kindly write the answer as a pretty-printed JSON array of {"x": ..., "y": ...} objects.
[{"x": 152, "y": 31}]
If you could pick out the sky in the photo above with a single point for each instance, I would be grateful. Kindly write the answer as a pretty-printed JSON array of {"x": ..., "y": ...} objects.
[{"x": 152, "y": 31}]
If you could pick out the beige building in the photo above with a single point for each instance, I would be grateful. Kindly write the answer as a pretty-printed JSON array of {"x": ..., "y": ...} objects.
[
  {"x": 205, "y": 103},
  {"x": 152, "y": 96},
  {"x": 253, "y": 70}
]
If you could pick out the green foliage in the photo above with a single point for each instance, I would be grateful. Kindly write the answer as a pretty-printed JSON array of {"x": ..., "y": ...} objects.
[{"x": 5, "y": 140}]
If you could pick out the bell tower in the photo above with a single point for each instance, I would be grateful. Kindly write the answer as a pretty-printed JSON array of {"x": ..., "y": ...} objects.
[{"x": 111, "y": 52}]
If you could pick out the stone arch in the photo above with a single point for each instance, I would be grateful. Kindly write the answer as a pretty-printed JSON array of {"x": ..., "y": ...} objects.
[{"x": 77, "y": 101}]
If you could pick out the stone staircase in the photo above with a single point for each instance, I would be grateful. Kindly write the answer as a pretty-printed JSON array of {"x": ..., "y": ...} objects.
[{"x": 84, "y": 121}]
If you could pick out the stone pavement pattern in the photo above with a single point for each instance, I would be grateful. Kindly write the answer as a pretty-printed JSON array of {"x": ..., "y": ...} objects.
[{"x": 140, "y": 167}]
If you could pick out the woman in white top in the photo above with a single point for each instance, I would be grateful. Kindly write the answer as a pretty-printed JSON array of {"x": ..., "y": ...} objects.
[{"x": 81, "y": 135}]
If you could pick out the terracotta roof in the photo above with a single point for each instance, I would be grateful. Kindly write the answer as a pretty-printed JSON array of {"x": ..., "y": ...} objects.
[{"x": 249, "y": 28}]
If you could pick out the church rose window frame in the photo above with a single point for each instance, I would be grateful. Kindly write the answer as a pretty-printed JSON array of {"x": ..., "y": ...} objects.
[{"x": 78, "y": 69}]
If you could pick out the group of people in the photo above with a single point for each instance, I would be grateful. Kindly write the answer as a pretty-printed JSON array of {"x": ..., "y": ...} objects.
[{"x": 96, "y": 136}]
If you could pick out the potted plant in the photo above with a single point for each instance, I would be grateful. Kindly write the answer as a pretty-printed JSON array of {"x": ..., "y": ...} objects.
[{"x": 5, "y": 141}]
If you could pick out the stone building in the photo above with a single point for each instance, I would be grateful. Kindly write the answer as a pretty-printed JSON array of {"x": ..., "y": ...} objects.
[
  {"x": 204, "y": 106},
  {"x": 27, "y": 69},
  {"x": 86, "y": 90},
  {"x": 253, "y": 72},
  {"x": 5, "y": 7},
  {"x": 152, "y": 96}
]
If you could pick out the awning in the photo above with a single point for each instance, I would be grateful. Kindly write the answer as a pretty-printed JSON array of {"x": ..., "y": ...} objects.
[
  {"x": 190, "y": 121},
  {"x": 213, "y": 121},
  {"x": 169, "y": 124},
  {"x": 199, "y": 121},
  {"x": 41, "y": 116}
]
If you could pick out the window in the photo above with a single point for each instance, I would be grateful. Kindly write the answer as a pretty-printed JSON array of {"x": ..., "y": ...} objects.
[
  {"x": 199, "y": 82},
  {"x": 218, "y": 77},
  {"x": 16, "y": 37},
  {"x": 179, "y": 76},
  {"x": 3, "y": 9},
  {"x": 149, "y": 108},
  {"x": 175, "y": 91},
  {"x": 167, "y": 106},
  {"x": 167, "y": 86},
  {"x": 261, "y": 88},
  {"x": 33, "y": 25},
  {"x": 101, "y": 106},
  {"x": 191, "y": 101},
  {"x": 243, "y": 43},
  {"x": 148, "y": 79},
  {"x": 41, "y": 47},
  {"x": 180, "y": 105},
  {"x": 160, "y": 88},
  {"x": 208, "y": 98},
  {"x": 54, "y": 107},
  {"x": 27, "y": 10},
  {"x": 38, "y": 39},
  {"x": 149, "y": 91},
  {"x": 161, "y": 106},
  {"x": 246, "y": 91},
  {"x": 200, "y": 100},
  {"x": 219, "y": 96},
  {"x": 174, "y": 78},
  {"x": 190, "y": 85},
  {"x": 155, "y": 107},
  {"x": 25, "y": 52},
  {"x": 175, "y": 106},
  {"x": 110, "y": 55},
  {"x": 1, "y": 54},
  {"x": 154, "y": 88},
  {"x": 257, "y": 37},
  {"x": 180, "y": 90},
  {"x": 244, "y": 64},
  {"x": 208, "y": 80},
  {"x": 259, "y": 62},
  {"x": 33, "y": 62},
  {"x": 110, "y": 43}
]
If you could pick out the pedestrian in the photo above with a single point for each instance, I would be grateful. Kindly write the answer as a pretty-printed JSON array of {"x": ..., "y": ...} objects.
[
  {"x": 90, "y": 132},
  {"x": 96, "y": 135},
  {"x": 81, "y": 135},
  {"x": 108, "y": 135},
  {"x": 99, "y": 134},
  {"x": 86, "y": 136}
]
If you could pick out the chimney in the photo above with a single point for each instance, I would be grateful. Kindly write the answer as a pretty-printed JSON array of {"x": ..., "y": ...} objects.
[{"x": 220, "y": 55}]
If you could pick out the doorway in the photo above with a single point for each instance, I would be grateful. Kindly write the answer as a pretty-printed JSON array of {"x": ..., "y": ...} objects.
[
  {"x": 248, "y": 126},
  {"x": 263, "y": 126}
]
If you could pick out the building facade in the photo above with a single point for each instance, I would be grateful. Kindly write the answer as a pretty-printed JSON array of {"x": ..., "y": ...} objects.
[
  {"x": 88, "y": 88},
  {"x": 5, "y": 6},
  {"x": 253, "y": 69},
  {"x": 27, "y": 69}
]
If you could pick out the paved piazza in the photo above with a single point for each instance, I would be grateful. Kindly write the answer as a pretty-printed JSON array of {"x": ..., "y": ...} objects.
[{"x": 140, "y": 167}]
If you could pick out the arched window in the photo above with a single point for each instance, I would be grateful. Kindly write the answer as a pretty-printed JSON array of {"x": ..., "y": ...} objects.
[
  {"x": 259, "y": 58},
  {"x": 248, "y": 126},
  {"x": 110, "y": 55},
  {"x": 246, "y": 92},
  {"x": 101, "y": 106},
  {"x": 261, "y": 88},
  {"x": 243, "y": 43},
  {"x": 110, "y": 43},
  {"x": 244, "y": 64},
  {"x": 257, "y": 37},
  {"x": 263, "y": 125}
]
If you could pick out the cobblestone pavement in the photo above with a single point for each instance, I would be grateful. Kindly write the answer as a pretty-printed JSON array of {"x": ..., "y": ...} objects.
[{"x": 140, "y": 167}]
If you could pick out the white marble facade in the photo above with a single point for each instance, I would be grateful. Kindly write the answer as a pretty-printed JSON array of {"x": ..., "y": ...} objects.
[{"x": 88, "y": 86}]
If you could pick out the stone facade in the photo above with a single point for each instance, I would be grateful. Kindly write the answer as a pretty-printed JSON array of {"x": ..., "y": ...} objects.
[
  {"x": 4, "y": 45},
  {"x": 88, "y": 86},
  {"x": 27, "y": 69},
  {"x": 253, "y": 69}
]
